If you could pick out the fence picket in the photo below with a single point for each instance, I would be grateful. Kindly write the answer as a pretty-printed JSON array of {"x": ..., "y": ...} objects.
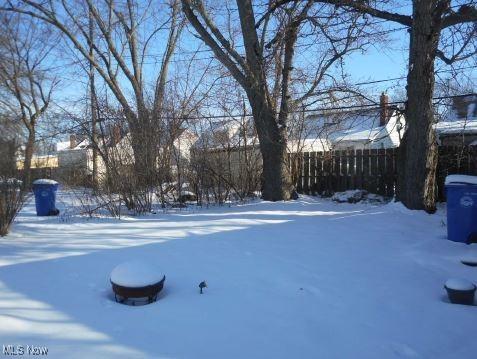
[
  {"x": 359, "y": 169},
  {"x": 306, "y": 172},
  {"x": 313, "y": 173}
]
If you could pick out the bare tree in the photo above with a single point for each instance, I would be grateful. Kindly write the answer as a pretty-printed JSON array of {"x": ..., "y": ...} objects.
[
  {"x": 25, "y": 81},
  {"x": 250, "y": 73},
  {"x": 123, "y": 33},
  {"x": 431, "y": 24}
]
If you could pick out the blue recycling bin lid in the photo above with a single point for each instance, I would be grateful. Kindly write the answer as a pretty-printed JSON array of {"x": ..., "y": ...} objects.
[
  {"x": 45, "y": 181},
  {"x": 461, "y": 179},
  {"x": 461, "y": 193},
  {"x": 45, "y": 197}
]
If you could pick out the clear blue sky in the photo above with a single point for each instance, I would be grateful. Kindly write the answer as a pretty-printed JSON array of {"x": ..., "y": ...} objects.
[{"x": 381, "y": 61}]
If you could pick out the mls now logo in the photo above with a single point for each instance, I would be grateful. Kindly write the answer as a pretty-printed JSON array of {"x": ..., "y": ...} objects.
[{"x": 24, "y": 350}]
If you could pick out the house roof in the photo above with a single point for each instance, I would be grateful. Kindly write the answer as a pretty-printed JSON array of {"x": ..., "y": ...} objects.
[
  {"x": 461, "y": 117},
  {"x": 353, "y": 126},
  {"x": 456, "y": 127},
  {"x": 364, "y": 135},
  {"x": 223, "y": 133},
  {"x": 65, "y": 145},
  {"x": 317, "y": 130}
]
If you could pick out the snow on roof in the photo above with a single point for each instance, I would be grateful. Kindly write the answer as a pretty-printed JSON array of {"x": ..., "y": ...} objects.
[
  {"x": 61, "y": 146},
  {"x": 351, "y": 121},
  {"x": 363, "y": 125},
  {"x": 456, "y": 127},
  {"x": 83, "y": 144},
  {"x": 365, "y": 135},
  {"x": 65, "y": 145},
  {"x": 225, "y": 133}
]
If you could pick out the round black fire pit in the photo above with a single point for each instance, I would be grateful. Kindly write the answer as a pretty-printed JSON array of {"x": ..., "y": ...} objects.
[
  {"x": 460, "y": 291},
  {"x": 135, "y": 280}
]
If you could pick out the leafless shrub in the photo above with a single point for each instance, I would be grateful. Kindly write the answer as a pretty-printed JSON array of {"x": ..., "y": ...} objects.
[
  {"x": 12, "y": 198},
  {"x": 226, "y": 163}
]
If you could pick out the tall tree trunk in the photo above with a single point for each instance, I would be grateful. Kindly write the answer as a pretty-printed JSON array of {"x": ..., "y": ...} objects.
[
  {"x": 276, "y": 177},
  {"x": 276, "y": 181},
  {"x": 144, "y": 143},
  {"x": 417, "y": 164},
  {"x": 29, "y": 149}
]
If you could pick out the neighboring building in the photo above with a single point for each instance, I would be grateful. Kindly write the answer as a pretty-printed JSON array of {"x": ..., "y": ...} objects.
[
  {"x": 179, "y": 151},
  {"x": 75, "y": 161},
  {"x": 357, "y": 129},
  {"x": 40, "y": 161},
  {"x": 227, "y": 155},
  {"x": 11, "y": 151},
  {"x": 75, "y": 158},
  {"x": 459, "y": 126},
  {"x": 353, "y": 129}
]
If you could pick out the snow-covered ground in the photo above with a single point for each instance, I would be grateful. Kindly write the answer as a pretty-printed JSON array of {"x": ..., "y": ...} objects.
[{"x": 303, "y": 279}]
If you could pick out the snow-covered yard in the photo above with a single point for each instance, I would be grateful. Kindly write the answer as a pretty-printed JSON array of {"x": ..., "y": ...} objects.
[{"x": 304, "y": 279}]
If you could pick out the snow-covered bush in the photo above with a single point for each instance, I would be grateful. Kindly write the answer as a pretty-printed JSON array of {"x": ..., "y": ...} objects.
[{"x": 11, "y": 202}]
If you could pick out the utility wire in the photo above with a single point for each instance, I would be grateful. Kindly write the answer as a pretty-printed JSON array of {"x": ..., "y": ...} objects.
[{"x": 322, "y": 110}]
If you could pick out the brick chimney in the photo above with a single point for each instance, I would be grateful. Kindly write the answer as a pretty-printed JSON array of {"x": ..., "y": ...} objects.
[
  {"x": 116, "y": 136},
  {"x": 383, "y": 109},
  {"x": 72, "y": 141}
]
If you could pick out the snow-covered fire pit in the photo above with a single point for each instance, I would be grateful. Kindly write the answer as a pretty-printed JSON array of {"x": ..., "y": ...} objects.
[
  {"x": 135, "y": 279},
  {"x": 460, "y": 291}
]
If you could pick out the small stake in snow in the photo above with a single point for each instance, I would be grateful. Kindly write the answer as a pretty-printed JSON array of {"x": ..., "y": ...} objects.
[{"x": 202, "y": 285}]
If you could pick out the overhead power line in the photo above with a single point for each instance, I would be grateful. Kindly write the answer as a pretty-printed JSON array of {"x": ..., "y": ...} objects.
[
  {"x": 322, "y": 110},
  {"x": 316, "y": 110}
]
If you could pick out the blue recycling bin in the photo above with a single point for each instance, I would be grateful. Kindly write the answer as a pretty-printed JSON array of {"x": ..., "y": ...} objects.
[
  {"x": 461, "y": 193},
  {"x": 45, "y": 197}
]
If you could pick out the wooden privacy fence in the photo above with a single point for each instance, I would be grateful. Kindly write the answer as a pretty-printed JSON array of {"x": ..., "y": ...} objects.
[
  {"x": 373, "y": 170},
  {"x": 336, "y": 171}
]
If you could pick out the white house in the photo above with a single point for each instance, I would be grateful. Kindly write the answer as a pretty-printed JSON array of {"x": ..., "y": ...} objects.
[
  {"x": 75, "y": 161},
  {"x": 358, "y": 129},
  {"x": 75, "y": 158},
  {"x": 373, "y": 128}
]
